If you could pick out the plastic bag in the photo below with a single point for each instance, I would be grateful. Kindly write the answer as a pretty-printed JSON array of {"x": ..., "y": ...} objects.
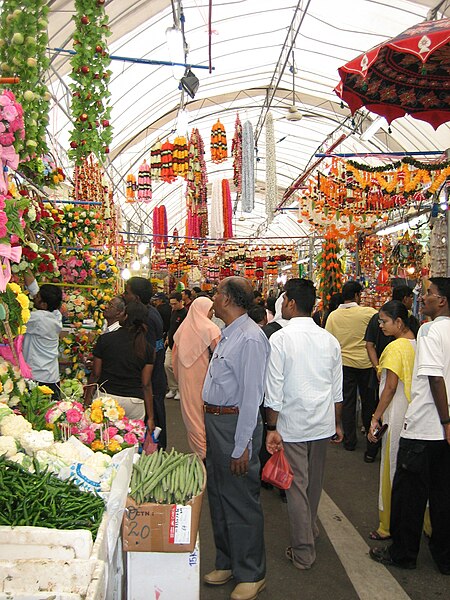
[{"x": 277, "y": 471}]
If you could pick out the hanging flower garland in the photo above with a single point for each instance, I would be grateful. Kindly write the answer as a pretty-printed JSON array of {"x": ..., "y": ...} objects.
[
  {"x": 180, "y": 156},
  {"x": 88, "y": 182},
  {"x": 23, "y": 52},
  {"x": 271, "y": 169},
  {"x": 248, "y": 168},
  {"x": 160, "y": 230},
  {"x": 156, "y": 160},
  {"x": 90, "y": 108},
  {"x": 227, "y": 210},
  {"x": 329, "y": 267},
  {"x": 236, "y": 152},
  {"x": 144, "y": 187},
  {"x": 196, "y": 193},
  {"x": 219, "y": 148},
  {"x": 167, "y": 173},
  {"x": 131, "y": 188}
]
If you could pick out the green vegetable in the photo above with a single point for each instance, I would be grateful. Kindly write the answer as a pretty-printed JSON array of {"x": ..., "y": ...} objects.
[
  {"x": 40, "y": 499},
  {"x": 166, "y": 478}
]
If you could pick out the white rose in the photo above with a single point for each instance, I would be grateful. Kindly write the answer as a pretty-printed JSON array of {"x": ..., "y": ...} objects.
[
  {"x": 21, "y": 386},
  {"x": 32, "y": 213},
  {"x": 33, "y": 246},
  {"x": 8, "y": 386},
  {"x": 3, "y": 369}
]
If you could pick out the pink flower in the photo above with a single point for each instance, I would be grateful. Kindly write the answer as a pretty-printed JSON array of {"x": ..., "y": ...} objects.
[
  {"x": 6, "y": 139},
  {"x": 87, "y": 436},
  {"x": 2, "y": 127},
  {"x": 10, "y": 112},
  {"x": 112, "y": 431},
  {"x": 130, "y": 438},
  {"x": 73, "y": 415},
  {"x": 78, "y": 405}
]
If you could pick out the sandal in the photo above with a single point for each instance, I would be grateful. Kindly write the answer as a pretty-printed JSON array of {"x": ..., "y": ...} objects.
[{"x": 374, "y": 535}]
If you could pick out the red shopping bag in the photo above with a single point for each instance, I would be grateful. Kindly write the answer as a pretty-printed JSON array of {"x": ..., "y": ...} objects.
[{"x": 277, "y": 471}]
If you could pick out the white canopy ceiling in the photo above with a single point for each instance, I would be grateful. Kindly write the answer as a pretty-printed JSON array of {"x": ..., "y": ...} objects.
[{"x": 249, "y": 38}]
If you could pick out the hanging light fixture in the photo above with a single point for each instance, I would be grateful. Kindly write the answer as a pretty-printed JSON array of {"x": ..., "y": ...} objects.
[
  {"x": 142, "y": 248},
  {"x": 190, "y": 83},
  {"x": 126, "y": 274}
]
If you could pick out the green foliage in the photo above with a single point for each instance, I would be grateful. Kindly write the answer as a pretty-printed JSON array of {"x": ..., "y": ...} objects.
[
  {"x": 90, "y": 74},
  {"x": 23, "y": 42}
]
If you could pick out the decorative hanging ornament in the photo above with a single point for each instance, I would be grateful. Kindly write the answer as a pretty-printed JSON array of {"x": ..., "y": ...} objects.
[
  {"x": 131, "y": 188},
  {"x": 156, "y": 160},
  {"x": 219, "y": 149},
  {"x": 167, "y": 173},
  {"x": 144, "y": 187},
  {"x": 236, "y": 152},
  {"x": 180, "y": 156}
]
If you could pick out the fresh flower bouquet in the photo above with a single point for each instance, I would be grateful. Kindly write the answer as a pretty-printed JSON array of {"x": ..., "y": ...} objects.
[
  {"x": 36, "y": 259},
  {"x": 105, "y": 269},
  {"x": 76, "y": 347},
  {"x": 109, "y": 430},
  {"x": 14, "y": 311},
  {"x": 66, "y": 418},
  {"x": 42, "y": 216},
  {"x": 12, "y": 384},
  {"x": 75, "y": 267},
  {"x": 97, "y": 303},
  {"x": 79, "y": 226},
  {"x": 74, "y": 306}
]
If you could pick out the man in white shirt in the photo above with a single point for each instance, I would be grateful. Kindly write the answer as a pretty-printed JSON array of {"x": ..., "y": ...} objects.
[
  {"x": 41, "y": 340},
  {"x": 423, "y": 460},
  {"x": 303, "y": 410}
]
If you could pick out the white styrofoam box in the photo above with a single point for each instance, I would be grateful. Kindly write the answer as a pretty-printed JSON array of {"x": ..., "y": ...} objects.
[
  {"x": 39, "y": 596},
  {"x": 151, "y": 575},
  {"x": 97, "y": 586},
  {"x": 41, "y": 542},
  {"x": 34, "y": 575},
  {"x": 116, "y": 574}
]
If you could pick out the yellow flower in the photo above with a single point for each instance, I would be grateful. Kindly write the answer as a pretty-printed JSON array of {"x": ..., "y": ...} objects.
[
  {"x": 25, "y": 314},
  {"x": 97, "y": 404},
  {"x": 14, "y": 288},
  {"x": 45, "y": 389},
  {"x": 97, "y": 445},
  {"x": 23, "y": 300},
  {"x": 96, "y": 415},
  {"x": 1, "y": 386},
  {"x": 114, "y": 446},
  {"x": 110, "y": 260},
  {"x": 102, "y": 267},
  {"x": 121, "y": 412},
  {"x": 22, "y": 330}
]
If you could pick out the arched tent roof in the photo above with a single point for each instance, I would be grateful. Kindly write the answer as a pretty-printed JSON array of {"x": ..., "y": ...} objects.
[{"x": 249, "y": 39}]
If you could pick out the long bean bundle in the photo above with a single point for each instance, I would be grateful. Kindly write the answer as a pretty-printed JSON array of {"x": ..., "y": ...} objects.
[
  {"x": 40, "y": 499},
  {"x": 166, "y": 478}
]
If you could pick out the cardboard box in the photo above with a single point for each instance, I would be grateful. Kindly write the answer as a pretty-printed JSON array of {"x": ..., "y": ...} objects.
[{"x": 161, "y": 527}]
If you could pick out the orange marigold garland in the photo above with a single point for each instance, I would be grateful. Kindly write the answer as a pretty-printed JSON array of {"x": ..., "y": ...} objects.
[
  {"x": 167, "y": 173},
  {"x": 219, "y": 148},
  {"x": 180, "y": 156},
  {"x": 330, "y": 270},
  {"x": 131, "y": 188},
  {"x": 155, "y": 160},
  {"x": 144, "y": 186}
]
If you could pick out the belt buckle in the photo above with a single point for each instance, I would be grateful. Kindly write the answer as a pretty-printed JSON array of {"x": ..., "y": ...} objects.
[{"x": 217, "y": 411}]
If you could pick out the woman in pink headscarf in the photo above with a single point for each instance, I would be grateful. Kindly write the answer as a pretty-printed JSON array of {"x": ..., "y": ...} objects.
[{"x": 194, "y": 341}]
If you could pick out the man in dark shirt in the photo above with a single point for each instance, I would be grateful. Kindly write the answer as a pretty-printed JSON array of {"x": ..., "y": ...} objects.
[
  {"x": 186, "y": 296},
  {"x": 161, "y": 302},
  {"x": 139, "y": 288},
  {"x": 177, "y": 317}
]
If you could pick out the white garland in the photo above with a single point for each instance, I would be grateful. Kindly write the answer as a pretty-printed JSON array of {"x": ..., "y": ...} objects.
[
  {"x": 248, "y": 168},
  {"x": 216, "y": 212},
  {"x": 271, "y": 169}
]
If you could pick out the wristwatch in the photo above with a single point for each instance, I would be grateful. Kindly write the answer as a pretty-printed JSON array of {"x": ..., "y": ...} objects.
[{"x": 271, "y": 427}]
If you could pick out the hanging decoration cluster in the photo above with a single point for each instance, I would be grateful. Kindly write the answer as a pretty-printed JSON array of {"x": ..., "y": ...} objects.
[
  {"x": 180, "y": 156},
  {"x": 406, "y": 257},
  {"x": 248, "y": 168},
  {"x": 90, "y": 108},
  {"x": 23, "y": 43},
  {"x": 131, "y": 188},
  {"x": 219, "y": 149},
  {"x": 227, "y": 210},
  {"x": 196, "y": 200},
  {"x": 167, "y": 175},
  {"x": 354, "y": 197},
  {"x": 329, "y": 267}
]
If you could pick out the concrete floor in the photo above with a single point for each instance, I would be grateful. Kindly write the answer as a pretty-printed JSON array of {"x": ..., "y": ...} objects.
[{"x": 343, "y": 570}]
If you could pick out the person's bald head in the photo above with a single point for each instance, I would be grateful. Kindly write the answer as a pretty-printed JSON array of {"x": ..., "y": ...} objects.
[{"x": 233, "y": 298}]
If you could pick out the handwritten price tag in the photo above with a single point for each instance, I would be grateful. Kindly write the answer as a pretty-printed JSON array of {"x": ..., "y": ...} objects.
[{"x": 180, "y": 524}]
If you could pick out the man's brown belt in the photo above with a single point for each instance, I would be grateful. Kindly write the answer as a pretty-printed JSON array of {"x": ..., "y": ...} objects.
[{"x": 221, "y": 410}]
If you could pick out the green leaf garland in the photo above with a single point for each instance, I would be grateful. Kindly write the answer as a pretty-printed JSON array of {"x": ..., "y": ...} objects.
[{"x": 92, "y": 132}]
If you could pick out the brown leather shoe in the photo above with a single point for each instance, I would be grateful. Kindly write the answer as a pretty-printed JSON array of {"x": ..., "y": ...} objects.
[
  {"x": 248, "y": 591},
  {"x": 218, "y": 577}
]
